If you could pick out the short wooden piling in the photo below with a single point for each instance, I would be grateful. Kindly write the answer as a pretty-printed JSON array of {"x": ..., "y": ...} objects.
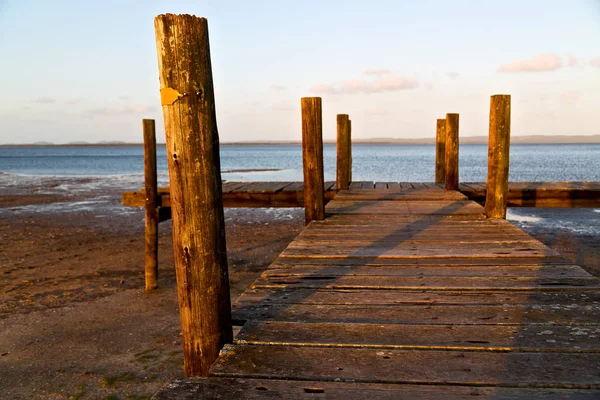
[
  {"x": 151, "y": 193},
  {"x": 344, "y": 144},
  {"x": 440, "y": 151},
  {"x": 498, "y": 157},
  {"x": 312, "y": 159},
  {"x": 451, "y": 153},
  {"x": 187, "y": 97}
]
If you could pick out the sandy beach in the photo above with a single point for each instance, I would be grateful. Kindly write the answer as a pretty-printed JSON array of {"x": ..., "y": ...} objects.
[{"x": 74, "y": 320}]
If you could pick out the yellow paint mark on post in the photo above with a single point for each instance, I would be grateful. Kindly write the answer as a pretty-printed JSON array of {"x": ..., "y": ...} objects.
[{"x": 169, "y": 96}]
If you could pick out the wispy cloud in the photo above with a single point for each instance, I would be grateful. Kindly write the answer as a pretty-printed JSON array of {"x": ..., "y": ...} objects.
[
  {"x": 389, "y": 83},
  {"x": 570, "y": 97},
  {"x": 377, "y": 71},
  {"x": 377, "y": 111},
  {"x": 283, "y": 106},
  {"x": 595, "y": 62},
  {"x": 539, "y": 63},
  {"x": 45, "y": 100},
  {"x": 122, "y": 110},
  {"x": 277, "y": 87},
  {"x": 452, "y": 75}
]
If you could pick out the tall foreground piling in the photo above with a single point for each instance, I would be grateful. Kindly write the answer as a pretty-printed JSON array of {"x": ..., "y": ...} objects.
[
  {"x": 151, "y": 210},
  {"x": 312, "y": 159},
  {"x": 440, "y": 151},
  {"x": 344, "y": 152},
  {"x": 187, "y": 97},
  {"x": 498, "y": 157},
  {"x": 451, "y": 153}
]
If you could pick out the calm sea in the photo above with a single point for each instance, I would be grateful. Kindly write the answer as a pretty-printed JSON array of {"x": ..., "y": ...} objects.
[{"x": 124, "y": 164}]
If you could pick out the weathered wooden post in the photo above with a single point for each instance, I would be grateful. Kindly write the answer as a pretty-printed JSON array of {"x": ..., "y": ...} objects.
[
  {"x": 498, "y": 157},
  {"x": 187, "y": 97},
  {"x": 312, "y": 159},
  {"x": 344, "y": 145},
  {"x": 151, "y": 192},
  {"x": 451, "y": 153},
  {"x": 440, "y": 151}
]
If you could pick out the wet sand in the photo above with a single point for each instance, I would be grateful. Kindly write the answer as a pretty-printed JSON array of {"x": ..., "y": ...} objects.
[{"x": 74, "y": 321}]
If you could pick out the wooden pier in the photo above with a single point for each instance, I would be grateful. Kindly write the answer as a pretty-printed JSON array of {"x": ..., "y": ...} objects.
[
  {"x": 411, "y": 293},
  {"x": 393, "y": 289}
]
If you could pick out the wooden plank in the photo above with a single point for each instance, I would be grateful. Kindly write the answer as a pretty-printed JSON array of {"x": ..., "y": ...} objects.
[
  {"x": 367, "y": 185},
  {"x": 524, "y": 338},
  {"x": 426, "y": 261},
  {"x": 393, "y": 185},
  {"x": 378, "y": 282},
  {"x": 381, "y": 185},
  {"x": 401, "y": 194},
  {"x": 395, "y": 298},
  {"x": 382, "y": 208},
  {"x": 433, "y": 314},
  {"x": 355, "y": 185},
  {"x": 259, "y": 389},
  {"x": 556, "y": 271},
  {"x": 414, "y": 249},
  {"x": 557, "y": 370}
]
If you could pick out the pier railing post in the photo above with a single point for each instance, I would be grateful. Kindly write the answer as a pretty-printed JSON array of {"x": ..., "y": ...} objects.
[
  {"x": 498, "y": 157},
  {"x": 440, "y": 151},
  {"x": 188, "y": 104},
  {"x": 451, "y": 153},
  {"x": 344, "y": 144},
  {"x": 151, "y": 192},
  {"x": 312, "y": 159}
]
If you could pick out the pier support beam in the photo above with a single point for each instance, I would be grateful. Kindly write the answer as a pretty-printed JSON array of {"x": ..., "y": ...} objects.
[
  {"x": 498, "y": 157},
  {"x": 451, "y": 152},
  {"x": 188, "y": 104},
  {"x": 440, "y": 151},
  {"x": 151, "y": 193},
  {"x": 344, "y": 152},
  {"x": 312, "y": 159}
]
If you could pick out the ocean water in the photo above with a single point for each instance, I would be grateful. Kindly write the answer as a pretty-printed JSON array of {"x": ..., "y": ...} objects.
[{"x": 122, "y": 166}]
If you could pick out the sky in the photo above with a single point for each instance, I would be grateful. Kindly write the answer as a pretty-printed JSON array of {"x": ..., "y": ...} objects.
[{"x": 87, "y": 70}]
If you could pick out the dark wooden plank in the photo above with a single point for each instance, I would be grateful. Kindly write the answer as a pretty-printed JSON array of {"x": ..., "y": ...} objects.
[
  {"x": 381, "y": 185},
  {"x": 426, "y": 261},
  {"x": 556, "y": 271},
  {"x": 355, "y": 185},
  {"x": 393, "y": 298},
  {"x": 378, "y": 282},
  {"x": 259, "y": 389},
  {"x": 408, "y": 366},
  {"x": 367, "y": 185},
  {"x": 393, "y": 185},
  {"x": 433, "y": 314},
  {"x": 524, "y": 338},
  {"x": 399, "y": 194}
]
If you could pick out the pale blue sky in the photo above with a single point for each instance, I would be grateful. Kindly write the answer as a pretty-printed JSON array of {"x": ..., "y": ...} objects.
[{"x": 87, "y": 71}]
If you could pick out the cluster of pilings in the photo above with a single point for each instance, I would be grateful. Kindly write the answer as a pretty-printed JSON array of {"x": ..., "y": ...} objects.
[{"x": 187, "y": 97}]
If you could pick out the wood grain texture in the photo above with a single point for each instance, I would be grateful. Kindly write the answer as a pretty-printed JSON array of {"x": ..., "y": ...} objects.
[
  {"x": 150, "y": 206},
  {"x": 451, "y": 154},
  {"x": 440, "y": 151},
  {"x": 312, "y": 159},
  {"x": 260, "y": 389},
  {"x": 498, "y": 157},
  {"x": 344, "y": 152},
  {"x": 196, "y": 190}
]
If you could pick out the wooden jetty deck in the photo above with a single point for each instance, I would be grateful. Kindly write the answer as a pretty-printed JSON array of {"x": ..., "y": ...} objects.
[
  {"x": 411, "y": 293},
  {"x": 291, "y": 194}
]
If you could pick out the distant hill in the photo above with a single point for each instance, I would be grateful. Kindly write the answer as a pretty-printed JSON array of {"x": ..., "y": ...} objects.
[{"x": 533, "y": 139}]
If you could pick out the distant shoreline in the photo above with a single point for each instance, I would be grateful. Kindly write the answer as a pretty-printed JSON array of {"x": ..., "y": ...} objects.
[{"x": 536, "y": 139}]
